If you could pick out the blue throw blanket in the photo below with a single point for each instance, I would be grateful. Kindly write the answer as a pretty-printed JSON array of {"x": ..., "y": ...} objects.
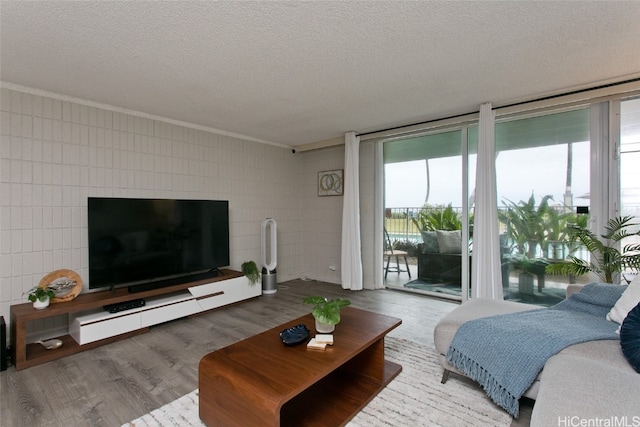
[{"x": 505, "y": 353}]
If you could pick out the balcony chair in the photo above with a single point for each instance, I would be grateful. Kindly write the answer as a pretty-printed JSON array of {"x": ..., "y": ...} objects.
[{"x": 390, "y": 253}]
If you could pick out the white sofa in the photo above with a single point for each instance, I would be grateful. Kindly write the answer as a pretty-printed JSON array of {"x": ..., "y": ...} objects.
[{"x": 587, "y": 381}]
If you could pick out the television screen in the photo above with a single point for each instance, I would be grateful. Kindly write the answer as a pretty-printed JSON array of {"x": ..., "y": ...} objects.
[{"x": 155, "y": 242}]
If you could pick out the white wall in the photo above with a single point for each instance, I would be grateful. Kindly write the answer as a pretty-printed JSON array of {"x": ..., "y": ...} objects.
[
  {"x": 367, "y": 215},
  {"x": 322, "y": 216},
  {"x": 55, "y": 153}
]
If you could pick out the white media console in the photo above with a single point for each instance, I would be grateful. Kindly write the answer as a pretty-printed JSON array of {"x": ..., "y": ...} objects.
[{"x": 91, "y": 326}]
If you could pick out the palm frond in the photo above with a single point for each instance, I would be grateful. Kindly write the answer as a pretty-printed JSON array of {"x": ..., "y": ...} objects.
[{"x": 606, "y": 259}]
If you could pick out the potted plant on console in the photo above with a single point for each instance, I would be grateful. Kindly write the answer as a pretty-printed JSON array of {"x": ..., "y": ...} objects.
[
  {"x": 250, "y": 269},
  {"x": 41, "y": 297},
  {"x": 326, "y": 312}
]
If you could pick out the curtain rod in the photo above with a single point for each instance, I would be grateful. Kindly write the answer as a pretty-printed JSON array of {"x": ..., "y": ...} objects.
[
  {"x": 415, "y": 124},
  {"x": 575, "y": 92},
  {"x": 515, "y": 104}
]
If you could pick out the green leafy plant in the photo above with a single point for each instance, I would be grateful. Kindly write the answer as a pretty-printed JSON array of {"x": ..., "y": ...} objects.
[
  {"x": 430, "y": 219},
  {"x": 527, "y": 265},
  {"x": 325, "y": 310},
  {"x": 250, "y": 269},
  {"x": 40, "y": 294},
  {"x": 606, "y": 260},
  {"x": 526, "y": 223}
]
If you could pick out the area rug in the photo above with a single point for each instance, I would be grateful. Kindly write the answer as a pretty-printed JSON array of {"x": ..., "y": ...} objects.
[{"x": 414, "y": 398}]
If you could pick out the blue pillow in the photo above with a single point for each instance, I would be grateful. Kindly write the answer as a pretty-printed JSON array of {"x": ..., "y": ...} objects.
[
  {"x": 430, "y": 242},
  {"x": 630, "y": 337}
]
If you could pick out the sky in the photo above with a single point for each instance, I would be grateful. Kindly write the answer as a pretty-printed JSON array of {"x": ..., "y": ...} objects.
[{"x": 541, "y": 170}]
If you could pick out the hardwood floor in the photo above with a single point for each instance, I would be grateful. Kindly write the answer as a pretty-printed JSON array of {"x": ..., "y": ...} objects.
[{"x": 119, "y": 382}]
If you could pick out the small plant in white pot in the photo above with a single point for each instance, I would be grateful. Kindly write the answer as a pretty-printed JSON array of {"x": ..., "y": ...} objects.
[
  {"x": 41, "y": 297},
  {"x": 326, "y": 312}
]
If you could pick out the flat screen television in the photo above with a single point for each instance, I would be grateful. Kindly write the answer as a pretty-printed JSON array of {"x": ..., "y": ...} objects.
[{"x": 150, "y": 243}]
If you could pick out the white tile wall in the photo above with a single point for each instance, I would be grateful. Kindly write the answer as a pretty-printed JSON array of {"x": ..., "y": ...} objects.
[{"x": 54, "y": 154}]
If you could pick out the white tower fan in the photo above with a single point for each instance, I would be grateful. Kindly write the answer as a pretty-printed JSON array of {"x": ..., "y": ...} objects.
[{"x": 269, "y": 282}]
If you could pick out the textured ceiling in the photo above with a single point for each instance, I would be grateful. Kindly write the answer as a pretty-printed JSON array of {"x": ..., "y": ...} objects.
[{"x": 298, "y": 72}]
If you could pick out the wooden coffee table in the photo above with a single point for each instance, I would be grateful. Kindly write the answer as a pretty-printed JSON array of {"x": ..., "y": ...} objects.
[{"x": 261, "y": 382}]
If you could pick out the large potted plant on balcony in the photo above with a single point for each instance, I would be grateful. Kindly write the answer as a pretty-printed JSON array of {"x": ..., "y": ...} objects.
[
  {"x": 606, "y": 260},
  {"x": 433, "y": 218},
  {"x": 525, "y": 224},
  {"x": 529, "y": 269}
]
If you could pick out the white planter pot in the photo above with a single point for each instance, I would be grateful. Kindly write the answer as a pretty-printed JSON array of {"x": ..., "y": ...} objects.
[
  {"x": 39, "y": 305},
  {"x": 323, "y": 328}
]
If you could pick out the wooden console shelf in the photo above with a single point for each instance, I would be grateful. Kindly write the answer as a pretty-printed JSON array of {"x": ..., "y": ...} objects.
[{"x": 202, "y": 292}]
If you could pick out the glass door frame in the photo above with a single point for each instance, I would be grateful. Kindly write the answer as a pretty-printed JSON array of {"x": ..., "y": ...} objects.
[
  {"x": 380, "y": 204},
  {"x": 604, "y": 106}
]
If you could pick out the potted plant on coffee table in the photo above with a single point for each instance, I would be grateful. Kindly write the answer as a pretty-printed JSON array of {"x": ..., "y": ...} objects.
[{"x": 326, "y": 312}]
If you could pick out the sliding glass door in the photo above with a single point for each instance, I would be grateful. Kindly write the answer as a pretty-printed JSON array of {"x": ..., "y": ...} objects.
[
  {"x": 425, "y": 202},
  {"x": 630, "y": 157},
  {"x": 554, "y": 168},
  {"x": 629, "y": 168},
  {"x": 542, "y": 168}
]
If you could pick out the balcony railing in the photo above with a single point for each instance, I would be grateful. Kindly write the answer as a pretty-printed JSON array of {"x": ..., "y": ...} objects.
[{"x": 399, "y": 224}]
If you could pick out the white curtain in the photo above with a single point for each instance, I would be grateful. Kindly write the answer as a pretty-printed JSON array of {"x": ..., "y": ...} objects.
[
  {"x": 351, "y": 258},
  {"x": 378, "y": 227},
  {"x": 486, "y": 274}
]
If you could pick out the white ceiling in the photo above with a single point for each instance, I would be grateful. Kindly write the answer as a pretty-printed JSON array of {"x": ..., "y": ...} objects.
[{"x": 294, "y": 72}]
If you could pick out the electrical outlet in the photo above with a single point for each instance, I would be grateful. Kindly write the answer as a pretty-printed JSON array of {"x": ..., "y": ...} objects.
[{"x": 332, "y": 267}]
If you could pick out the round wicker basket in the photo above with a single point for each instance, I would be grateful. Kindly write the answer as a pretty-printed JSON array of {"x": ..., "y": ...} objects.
[{"x": 68, "y": 292}]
